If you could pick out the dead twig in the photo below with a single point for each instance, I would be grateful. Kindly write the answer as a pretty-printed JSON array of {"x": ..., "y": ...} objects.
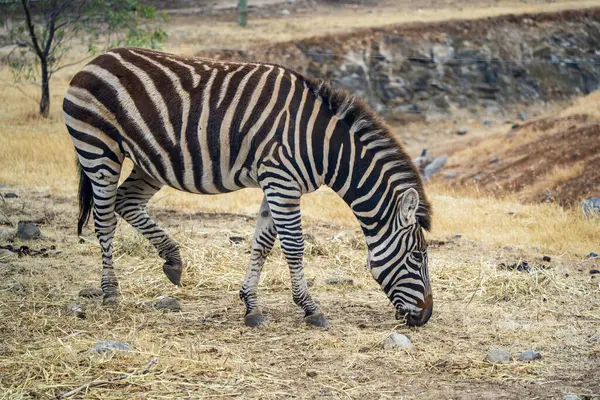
[{"x": 95, "y": 383}]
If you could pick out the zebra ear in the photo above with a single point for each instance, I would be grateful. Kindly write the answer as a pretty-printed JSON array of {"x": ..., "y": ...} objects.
[{"x": 409, "y": 202}]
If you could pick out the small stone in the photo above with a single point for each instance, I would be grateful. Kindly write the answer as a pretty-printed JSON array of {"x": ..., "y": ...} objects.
[
  {"x": 236, "y": 239},
  {"x": 90, "y": 293},
  {"x": 11, "y": 196},
  {"x": 572, "y": 397},
  {"x": 494, "y": 160},
  {"x": 547, "y": 258},
  {"x": 339, "y": 281},
  {"x": 529, "y": 355},
  {"x": 76, "y": 310},
  {"x": 592, "y": 255},
  {"x": 522, "y": 116},
  {"x": 397, "y": 340},
  {"x": 458, "y": 236},
  {"x": 309, "y": 237},
  {"x": 7, "y": 256},
  {"x": 311, "y": 374},
  {"x": 167, "y": 303},
  {"x": 435, "y": 166},
  {"x": 28, "y": 230},
  {"x": 106, "y": 346},
  {"x": 487, "y": 122},
  {"x": 594, "y": 271},
  {"x": 497, "y": 356},
  {"x": 515, "y": 126},
  {"x": 591, "y": 207},
  {"x": 285, "y": 11},
  {"x": 462, "y": 131}
]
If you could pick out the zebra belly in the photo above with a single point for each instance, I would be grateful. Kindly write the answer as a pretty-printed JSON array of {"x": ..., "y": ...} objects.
[{"x": 193, "y": 176}]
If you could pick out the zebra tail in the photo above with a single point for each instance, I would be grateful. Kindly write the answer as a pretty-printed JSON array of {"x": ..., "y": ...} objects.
[{"x": 86, "y": 199}]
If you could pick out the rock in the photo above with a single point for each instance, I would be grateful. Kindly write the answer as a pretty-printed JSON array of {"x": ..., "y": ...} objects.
[
  {"x": 7, "y": 256},
  {"x": 11, "y": 195},
  {"x": 494, "y": 160},
  {"x": 592, "y": 255},
  {"x": 90, "y": 293},
  {"x": 572, "y": 397},
  {"x": 522, "y": 116},
  {"x": 397, "y": 340},
  {"x": 339, "y": 281},
  {"x": 547, "y": 258},
  {"x": 591, "y": 207},
  {"x": 106, "y": 346},
  {"x": 236, "y": 239},
  {"x": 487, "y": 122},
  {"x": 594, "y": 271},
  {"x": 462, "y": 131},
  {"x": 311, "y": 374},
  {"x": 529, "y": 355},
  {"x": 458, "y": 236},
  {"x": 285, "y": 11},
  {"x": 422, "y": 160},
  {"x": 515, "y": 126},
  {"x": 28, "y": 230},
  {"x": 309, "y": 237},
  {"x": 497, "y": 356},
  {"x": 435, "y": 166},
  {"x": 76, "y": 310},
  {"x": 167, "y": 303}
]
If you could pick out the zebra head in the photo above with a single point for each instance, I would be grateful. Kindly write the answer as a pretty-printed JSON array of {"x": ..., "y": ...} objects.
[{"x": 398, "y": 260}]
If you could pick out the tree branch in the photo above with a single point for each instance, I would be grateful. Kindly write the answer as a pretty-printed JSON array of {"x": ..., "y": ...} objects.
[
  {"x": 36, "y": 46},
  {"x": 71, "y": 64}
]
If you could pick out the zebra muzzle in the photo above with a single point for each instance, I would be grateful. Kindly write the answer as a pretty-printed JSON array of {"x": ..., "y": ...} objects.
[{"x": 417, "y": 318}]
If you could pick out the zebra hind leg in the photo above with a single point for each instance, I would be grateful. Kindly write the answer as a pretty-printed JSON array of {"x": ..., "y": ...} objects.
[
  {"x": 103, "y": 184},
  {"x": 132, "y": 197},
  {"x": 262, "y": 243}
]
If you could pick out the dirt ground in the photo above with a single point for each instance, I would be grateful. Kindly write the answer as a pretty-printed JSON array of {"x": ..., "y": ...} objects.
[{"x": 204, "y": 351}]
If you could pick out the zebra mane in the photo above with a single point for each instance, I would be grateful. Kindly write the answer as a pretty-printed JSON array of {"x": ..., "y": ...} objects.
[{"x": 374, "y": 133}]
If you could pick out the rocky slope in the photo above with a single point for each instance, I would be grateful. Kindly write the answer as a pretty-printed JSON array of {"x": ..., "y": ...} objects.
[{"x": 454, "y": 66}]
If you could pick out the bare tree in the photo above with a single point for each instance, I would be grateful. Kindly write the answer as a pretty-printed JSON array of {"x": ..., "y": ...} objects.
[{"x": 44, "y": 32}]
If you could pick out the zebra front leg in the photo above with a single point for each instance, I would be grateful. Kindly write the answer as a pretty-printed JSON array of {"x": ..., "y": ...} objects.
[
  {"x": 132, "y": 197},
  {"x": 285, "y": 210},
  {"x": 262, "y": 243}
]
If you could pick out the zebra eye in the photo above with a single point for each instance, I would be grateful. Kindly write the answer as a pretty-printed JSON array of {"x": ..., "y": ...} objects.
[{"x": 418, "y": 256}]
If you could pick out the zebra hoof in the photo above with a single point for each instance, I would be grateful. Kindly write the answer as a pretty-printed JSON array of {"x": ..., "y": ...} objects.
[
  {"x": 110, "y": 301},
  {"x": 173, "y": 272},
  {"x": 317, "y": 319},
  {"x": 254, "y": 319}
]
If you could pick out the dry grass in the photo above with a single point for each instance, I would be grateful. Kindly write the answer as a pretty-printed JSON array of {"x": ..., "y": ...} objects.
[{"x": 205, "y": 352}]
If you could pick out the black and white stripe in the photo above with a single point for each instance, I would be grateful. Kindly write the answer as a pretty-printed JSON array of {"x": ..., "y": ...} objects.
[{"x": 205, "y": 126}]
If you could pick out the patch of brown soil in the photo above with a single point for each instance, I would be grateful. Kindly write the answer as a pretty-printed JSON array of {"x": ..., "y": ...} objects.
[{"x": 550, "y": 159}]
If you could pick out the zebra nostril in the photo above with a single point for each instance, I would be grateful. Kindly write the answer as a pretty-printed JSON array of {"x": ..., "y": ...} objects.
[{"x": 401, "y": 314}]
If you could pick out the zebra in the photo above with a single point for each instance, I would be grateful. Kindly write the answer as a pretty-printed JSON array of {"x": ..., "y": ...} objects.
[{"x": 207, "y": 126}]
